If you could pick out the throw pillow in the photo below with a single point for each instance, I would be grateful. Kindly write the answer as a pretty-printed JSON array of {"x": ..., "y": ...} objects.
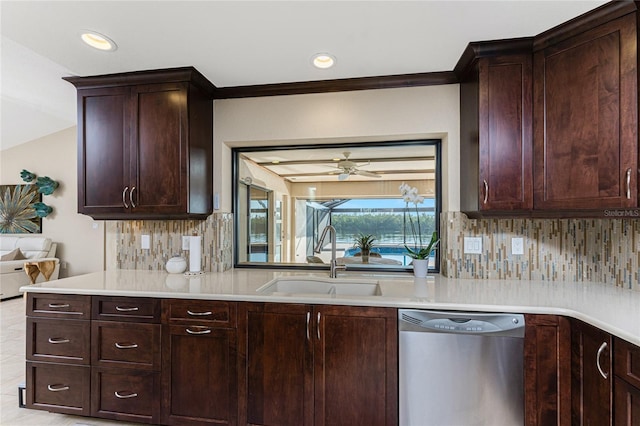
[{"x": 13, "y": 255}]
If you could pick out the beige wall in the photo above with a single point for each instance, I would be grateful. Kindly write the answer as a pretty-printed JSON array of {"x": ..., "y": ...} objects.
[
  {"x": 360, "y": 116},
  {"x": 80, "y": 239}
]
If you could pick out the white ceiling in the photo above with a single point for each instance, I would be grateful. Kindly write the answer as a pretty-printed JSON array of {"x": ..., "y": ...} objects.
[{"x": 236, "y": 43}]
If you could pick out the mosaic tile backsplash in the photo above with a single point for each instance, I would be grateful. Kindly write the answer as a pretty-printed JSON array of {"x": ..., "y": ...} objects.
[
  {"x": 166, "y": 241},
  {"x": 591, "y": 250}
]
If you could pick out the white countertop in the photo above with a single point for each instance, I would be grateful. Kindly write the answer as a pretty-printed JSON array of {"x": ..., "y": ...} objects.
[{"x": 610, "y": 308}]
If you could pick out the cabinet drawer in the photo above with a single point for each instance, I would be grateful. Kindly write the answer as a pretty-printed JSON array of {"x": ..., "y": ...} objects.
[
  {"x": 125, "y": 395},
  {"x": 136, "y": 309},
  {"x": 126, "y": 345},
  {"x": 58, "y": 388},
  {"x": 58, "y": 306},
  {"x": 626, "y": 362},
  {"x": 214, "y": 313},
  {"x": 60, "y": 341}
]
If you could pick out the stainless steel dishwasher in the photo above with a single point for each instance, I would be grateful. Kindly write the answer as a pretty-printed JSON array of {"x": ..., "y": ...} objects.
[{"x": 461, "y": 369}]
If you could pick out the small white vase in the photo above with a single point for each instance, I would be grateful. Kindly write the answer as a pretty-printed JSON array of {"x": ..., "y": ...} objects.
[
  {"x": 420, "y": 267},
  {"x": 176, "y": 265}
]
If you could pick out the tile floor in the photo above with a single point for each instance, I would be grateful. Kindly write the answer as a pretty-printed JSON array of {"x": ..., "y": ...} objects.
[{"x": 12, "y": 373}]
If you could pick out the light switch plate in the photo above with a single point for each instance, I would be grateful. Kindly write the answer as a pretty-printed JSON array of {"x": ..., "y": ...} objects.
[
  {"x": 517, "y": 245},
  {"x": 472, "y": 245},
  {"x": 145, "y": 242},
  {"x": 185, "y": 242}
]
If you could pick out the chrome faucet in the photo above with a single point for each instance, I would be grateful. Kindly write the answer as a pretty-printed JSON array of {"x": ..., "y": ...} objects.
[{"x": 333, "y": 266}]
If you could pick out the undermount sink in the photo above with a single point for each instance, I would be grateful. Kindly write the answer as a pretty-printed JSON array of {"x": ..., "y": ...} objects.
[{"x": 320, "y": 286}]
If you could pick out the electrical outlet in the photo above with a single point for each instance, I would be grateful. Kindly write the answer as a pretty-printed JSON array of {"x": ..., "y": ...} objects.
[
  {"x": 145, "y": 242},
  {"x": 185, "y": 242},
  {"x": 473, "y": 245},
  {"x": 517, "y": 245}
]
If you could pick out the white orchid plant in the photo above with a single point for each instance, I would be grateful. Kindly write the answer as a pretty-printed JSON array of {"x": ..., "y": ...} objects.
[{"x": 410, "y": 196}]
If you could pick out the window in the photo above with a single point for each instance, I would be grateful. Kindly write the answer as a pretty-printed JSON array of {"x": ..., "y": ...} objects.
[{"x": 286, "y": 196}]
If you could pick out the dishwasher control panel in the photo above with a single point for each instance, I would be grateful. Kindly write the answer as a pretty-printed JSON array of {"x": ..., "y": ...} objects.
[{"x": 461, "y": 322}]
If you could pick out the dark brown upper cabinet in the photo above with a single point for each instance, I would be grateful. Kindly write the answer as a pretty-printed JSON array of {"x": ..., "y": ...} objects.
[
  {"x": 586, "y": 120},
  {"x": 145, "y": 145},
  {"x": 496, "y": 129}
]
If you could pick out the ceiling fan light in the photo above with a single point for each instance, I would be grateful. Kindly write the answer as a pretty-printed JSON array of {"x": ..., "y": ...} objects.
[
  {"x": 98, "y": 41},
  {"x": 343, "y": 176}
]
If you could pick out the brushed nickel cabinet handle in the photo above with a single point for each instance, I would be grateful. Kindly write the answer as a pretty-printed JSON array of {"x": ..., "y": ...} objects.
[
  {"x": 133, "y": 205},
  {"x": 125, "y": 396},
  {"x": 308, "y": 321},
  {"x": 57, "y": 388},
  {"x": 58, "y": 305},
  {"x": 132, "y": 309},
  {"x": 58, "y": 340},
  {"x": 601, "y": 349},
  {"x": 124, "y": 194},
  {"x": 199, "y": 329},
  {"x": 199, "y": 314},
  {"x": 318, "y": 324},
  {"x": 628, "y": 180},
  {"x": 126, "y": 345},
  {"x": 486, "y": 190}
]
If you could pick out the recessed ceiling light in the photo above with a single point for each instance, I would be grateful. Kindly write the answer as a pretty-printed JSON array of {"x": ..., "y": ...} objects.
[
  {"x": 323, "y": 60},
  {"x": 98, "y": 41}
]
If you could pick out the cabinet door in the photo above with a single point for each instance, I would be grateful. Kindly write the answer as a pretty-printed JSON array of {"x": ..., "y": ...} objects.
[
  {"x": 626, "y": 403},
  {"x": 276, "y": 367},
  {"x": 626, "y": 392},
  {"x": 505, "y": 133},
  {"x": 591, "y": 371},
  {"x": 585, "y": 120},
  {"x": 198, "y": 375},
  {"x": 355, "y": 366},
  {"x": 547, "y": 374},
  {"x": 103, "y": 150},
  {"x": 159, "y": 148}
]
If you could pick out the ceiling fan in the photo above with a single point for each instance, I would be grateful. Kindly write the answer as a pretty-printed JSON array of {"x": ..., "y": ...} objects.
[{"x": 347, "y": 168}]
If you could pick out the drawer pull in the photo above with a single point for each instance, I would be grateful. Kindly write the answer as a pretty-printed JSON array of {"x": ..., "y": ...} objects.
[
  {"x": 58, "y": 305},
  {"x": 126, "y": 345},
  {"x": 57, "y": 340},
  {"x": 125, "y": 396},
  {"x": 121, "y": 309},
  {"x": 199, "y": 329},
  {"x": 199, "y": 314},
  {"x": 57, "y": 388}
]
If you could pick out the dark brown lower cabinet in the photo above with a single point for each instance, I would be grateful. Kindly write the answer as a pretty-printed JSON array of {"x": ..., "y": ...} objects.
[
  {"x": 58, "y": 388},
  {"x": 122, "y": 394},
  {"x": 198, "y": 375},
  {"x": 591, "y": 375},
  {"x": 626, "y": 385},
  {"x": 626, "y": 403},
  {"x": 320, "y": 365},
  {"x": 276, "y": 359},
  {"x": 547, "y": 370}
]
